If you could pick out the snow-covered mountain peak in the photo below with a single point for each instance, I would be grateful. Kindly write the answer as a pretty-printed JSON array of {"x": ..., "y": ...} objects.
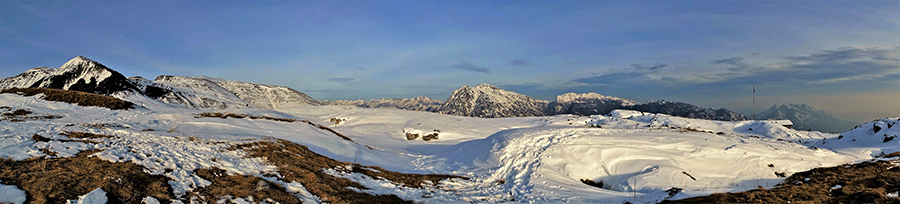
[
  {"x": 81, "y": 62},
  {"x": 486, "y": 86},
  {"x": 489, "y": 101},
  {"x": 78, "y": 74}
]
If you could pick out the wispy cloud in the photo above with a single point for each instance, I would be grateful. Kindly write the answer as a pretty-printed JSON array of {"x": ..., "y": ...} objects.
[
  {"x": 735, "y": 63},
  {"x": 844, "y": 67},
  {"x": 471, "y": 67},
  {"x": 652, "y": 67},
  {"x": 520, "y": 62},
  {"x": 341, "y": 79}
]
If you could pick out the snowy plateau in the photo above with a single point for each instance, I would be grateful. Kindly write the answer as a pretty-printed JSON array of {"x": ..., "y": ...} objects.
[{"x": 629, "y": 155}]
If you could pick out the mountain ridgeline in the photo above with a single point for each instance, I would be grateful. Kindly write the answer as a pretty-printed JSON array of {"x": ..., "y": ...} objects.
[
  {"x": 486, "y": 101},
  {"x": 85, "y": 75}
]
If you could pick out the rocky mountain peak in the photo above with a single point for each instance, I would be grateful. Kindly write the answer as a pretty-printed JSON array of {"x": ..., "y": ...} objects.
[{"x": 78, "y": 74}]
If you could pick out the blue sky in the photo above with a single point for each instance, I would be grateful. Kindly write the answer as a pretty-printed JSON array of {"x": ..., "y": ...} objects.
[{"x": 843, "y": 57}]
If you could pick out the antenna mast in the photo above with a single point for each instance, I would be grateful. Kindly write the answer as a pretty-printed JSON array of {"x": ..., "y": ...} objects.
[{"x": 753, "y": 117}]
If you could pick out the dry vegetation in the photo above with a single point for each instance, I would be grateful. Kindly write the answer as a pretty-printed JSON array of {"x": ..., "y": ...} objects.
[
  {"x": 240, "y": 186},
  {"x": 21, "y": 115},
  {"x": 78, "y": 135},
  {"x": 55, "y": 180},
  {"x": 74, "y": 97},
  {"x": 297, "y": 163},
  {"x": 233, "y": 115},
  {"x": 866, "y": 182},
  {"x": 85, "y": 135}
]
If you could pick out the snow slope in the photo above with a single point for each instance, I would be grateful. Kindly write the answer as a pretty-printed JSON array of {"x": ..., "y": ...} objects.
[
  {"x": 637, "y": 156},
  {"x": 196, "y": 92}
]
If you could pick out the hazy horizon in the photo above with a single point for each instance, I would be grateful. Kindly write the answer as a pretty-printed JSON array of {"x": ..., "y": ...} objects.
[{"x": 842, "y": 57}]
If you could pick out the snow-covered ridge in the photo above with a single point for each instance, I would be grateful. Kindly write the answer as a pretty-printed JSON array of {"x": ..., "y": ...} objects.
[
  {"x": 267, "y": 96},
  {"x": 195, "y": 92},
  {"x": 205, "y": 92}
]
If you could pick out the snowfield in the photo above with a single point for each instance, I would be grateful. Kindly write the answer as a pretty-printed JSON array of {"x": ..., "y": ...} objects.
[{"x": 636, "y": 156}]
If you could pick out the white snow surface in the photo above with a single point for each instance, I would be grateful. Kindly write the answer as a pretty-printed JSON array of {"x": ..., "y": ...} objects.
[
  {"x": 11, "y": 194},
  {"x": 636, "y": 155},
  {"x": 94, "y": 197}
]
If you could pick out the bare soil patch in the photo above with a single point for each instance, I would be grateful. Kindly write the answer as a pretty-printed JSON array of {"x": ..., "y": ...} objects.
[
  {"x": 866, "y": 182},
  {"x": 74, "y": 97},
  {"x": 56, "y": 180},
  {"x": 297, "y": 163}
]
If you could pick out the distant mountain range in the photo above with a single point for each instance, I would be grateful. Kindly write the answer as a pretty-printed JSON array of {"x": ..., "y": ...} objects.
[
  {"x": 420, "y": 103},
  {"x": 806, "y": 117},
  {"x": 487, "y": 101}
]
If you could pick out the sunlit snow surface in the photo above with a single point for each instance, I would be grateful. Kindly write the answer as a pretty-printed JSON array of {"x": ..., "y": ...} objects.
[{"x": 530, "y": 159}]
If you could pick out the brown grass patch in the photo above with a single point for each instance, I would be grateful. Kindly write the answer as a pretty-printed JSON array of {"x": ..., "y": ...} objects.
[
  {"x": 241, "y": 186},
  {"x": 84, "y": 135},
  {"x": 866, "y": 182},
  {"x": 21, "y": 115},
  {"x": 74, "y": 97},
  {"x": 103, "y": 125},
  {"x": 59, "y": 179},
  {"x": 233, "y": 115},
  {"x": 41, "y": 138},
  {"x": 297, "y": 163}
]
